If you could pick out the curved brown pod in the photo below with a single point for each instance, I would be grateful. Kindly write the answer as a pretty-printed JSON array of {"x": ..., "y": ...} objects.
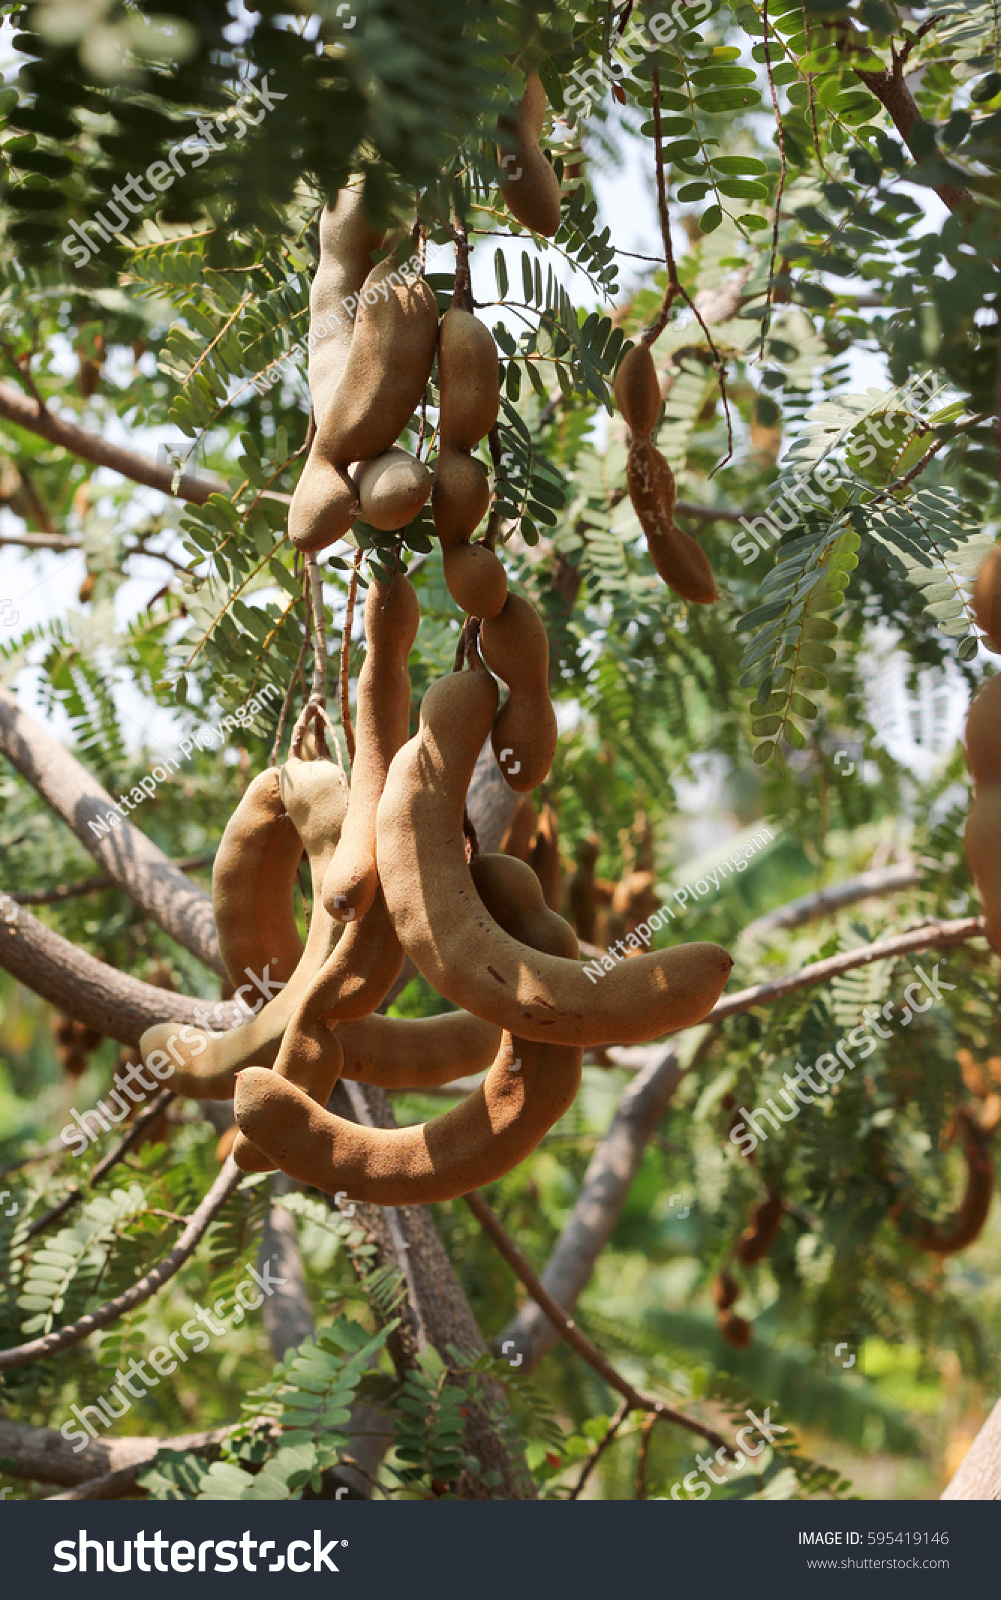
[
  {"x": 382, "y": 726},
  {"x": 683, "y": 564},
  {"x": 445, "y": 929},
  {"x": 469, "y": 388},
  {"x": 968, "y": 1221},
  {"x": 416, "y": 1052},
  {"x": 347, "y": 240},
  {"x": 528, "y": 1088},
  {"x": 515, "y": 647},
  {"x": 314, "y": 796},
  {"x": 530, "y": 188},
  {"x": 760, "y": 1234},
  {"x": 253, "y": 878},
  {"x": 381, "y": 383},
  {"x": 637, "y": 391},
  {"x": 355, "y": 979}
]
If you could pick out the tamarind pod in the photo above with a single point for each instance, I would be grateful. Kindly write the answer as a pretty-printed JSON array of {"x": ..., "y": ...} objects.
[
  {"x": 347, "y": 240},
  {"x": 637, "y": 392},
  {"x": 735, "y": 1330},
  {"x": 445, "y": 929},
  {"x": 683, "y": 564},
  {"x": 581, "y": 892},
  {"x": 973, "y": 1074},
  {"x": 226, "y": 1143},
  {"x": 515, "y": 647},
  {"x": 967, "y": 1223},
  {"x": 204, "y": 1062},
  {"x": 382, "y": 725},
  {"x": 989, "y": 1113},
  {"x": 757, "y": 1239},
  {"x": 416, "y": 1052},
  {"x": 510, "y": 890},
  {"x": 324, "y": 505},
  {"x": 983, "y": 734},
  {"x": 353, "y": 981},
  {"x": 531, "y": 189},
  {"x": 528, "y": 1088},
  {"x": 545, "y": 859},
  {"x": 392, "y": 489},
  {"x": 987, "y": 597},
  {"x": 476, "y": 579},
  {"x": 468, "y": 379},
  {"x": 982, "y": 842},
  {"x": 517, "y": 837},
  {"x": 253, "y": 879},
  {"x": 726, "y": 1290},
  {"x": 460, "y": 495},
  {"x": 387, "y": 369}
]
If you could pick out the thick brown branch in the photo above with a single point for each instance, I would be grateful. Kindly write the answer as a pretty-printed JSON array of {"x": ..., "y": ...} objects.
[
  {"x": 891, "y": 90},
  {"x": 50, "y": 1344},
  {"x": 824, "y": 902},
  {"x": 978, "y": 1476},
  {"x": 26, "y": 413},
  {"x": 181, "y": 909},
  {"x": 43, "y": 1455}
]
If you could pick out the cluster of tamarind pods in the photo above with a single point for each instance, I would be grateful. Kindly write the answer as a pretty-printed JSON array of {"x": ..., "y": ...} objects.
[{"x": 392, "y": 876}]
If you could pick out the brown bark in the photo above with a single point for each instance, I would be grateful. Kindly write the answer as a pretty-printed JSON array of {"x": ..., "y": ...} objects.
[
  {"x": 978, "y": 1476},
  {"x": 43, "y": 1455},
  {"x": 181, "y": 908},
  {"x": 891, "y": 90}
]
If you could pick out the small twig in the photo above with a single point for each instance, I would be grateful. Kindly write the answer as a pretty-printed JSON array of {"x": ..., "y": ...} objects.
[
  {"x": 649, "y": 1422},
  {"x": 766, "y": 320},
  {"x": 24, "y": 1355},
  {"x": 287, "y": 702},
  {"x": 578, "y": 1341},
  {"x": 497, "y": 459},
  {"x": 462, "y": 294},
  {"x": 104, "y": 1166},
  {"x": 349, "y": 617},
  {"x": 599, "y": 1450},
  {"x": 71, "y": 891}
]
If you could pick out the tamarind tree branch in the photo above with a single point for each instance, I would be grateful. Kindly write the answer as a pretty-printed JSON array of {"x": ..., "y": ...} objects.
[
  {"x": 49, "y": 1344},
  {"x": 933, "y": 936},
  {"x": 978, "y": 1476},
  {"x": 26, "y": 413},
  {"x": 893, "y": 93},
  {"x": 436, "y": 1311},
  {"x": 595, "y": 1215},
  {"x": 180, "y": 908},
  {"x": 617, "y": 1157},
  {"x": 43, "y": 1455},
  {"x": 87, "y": 989},
  {"x": 104, "y": 880},
  {"x": 824, "y": 902},
  {"x": 577, "y": 1340}
]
